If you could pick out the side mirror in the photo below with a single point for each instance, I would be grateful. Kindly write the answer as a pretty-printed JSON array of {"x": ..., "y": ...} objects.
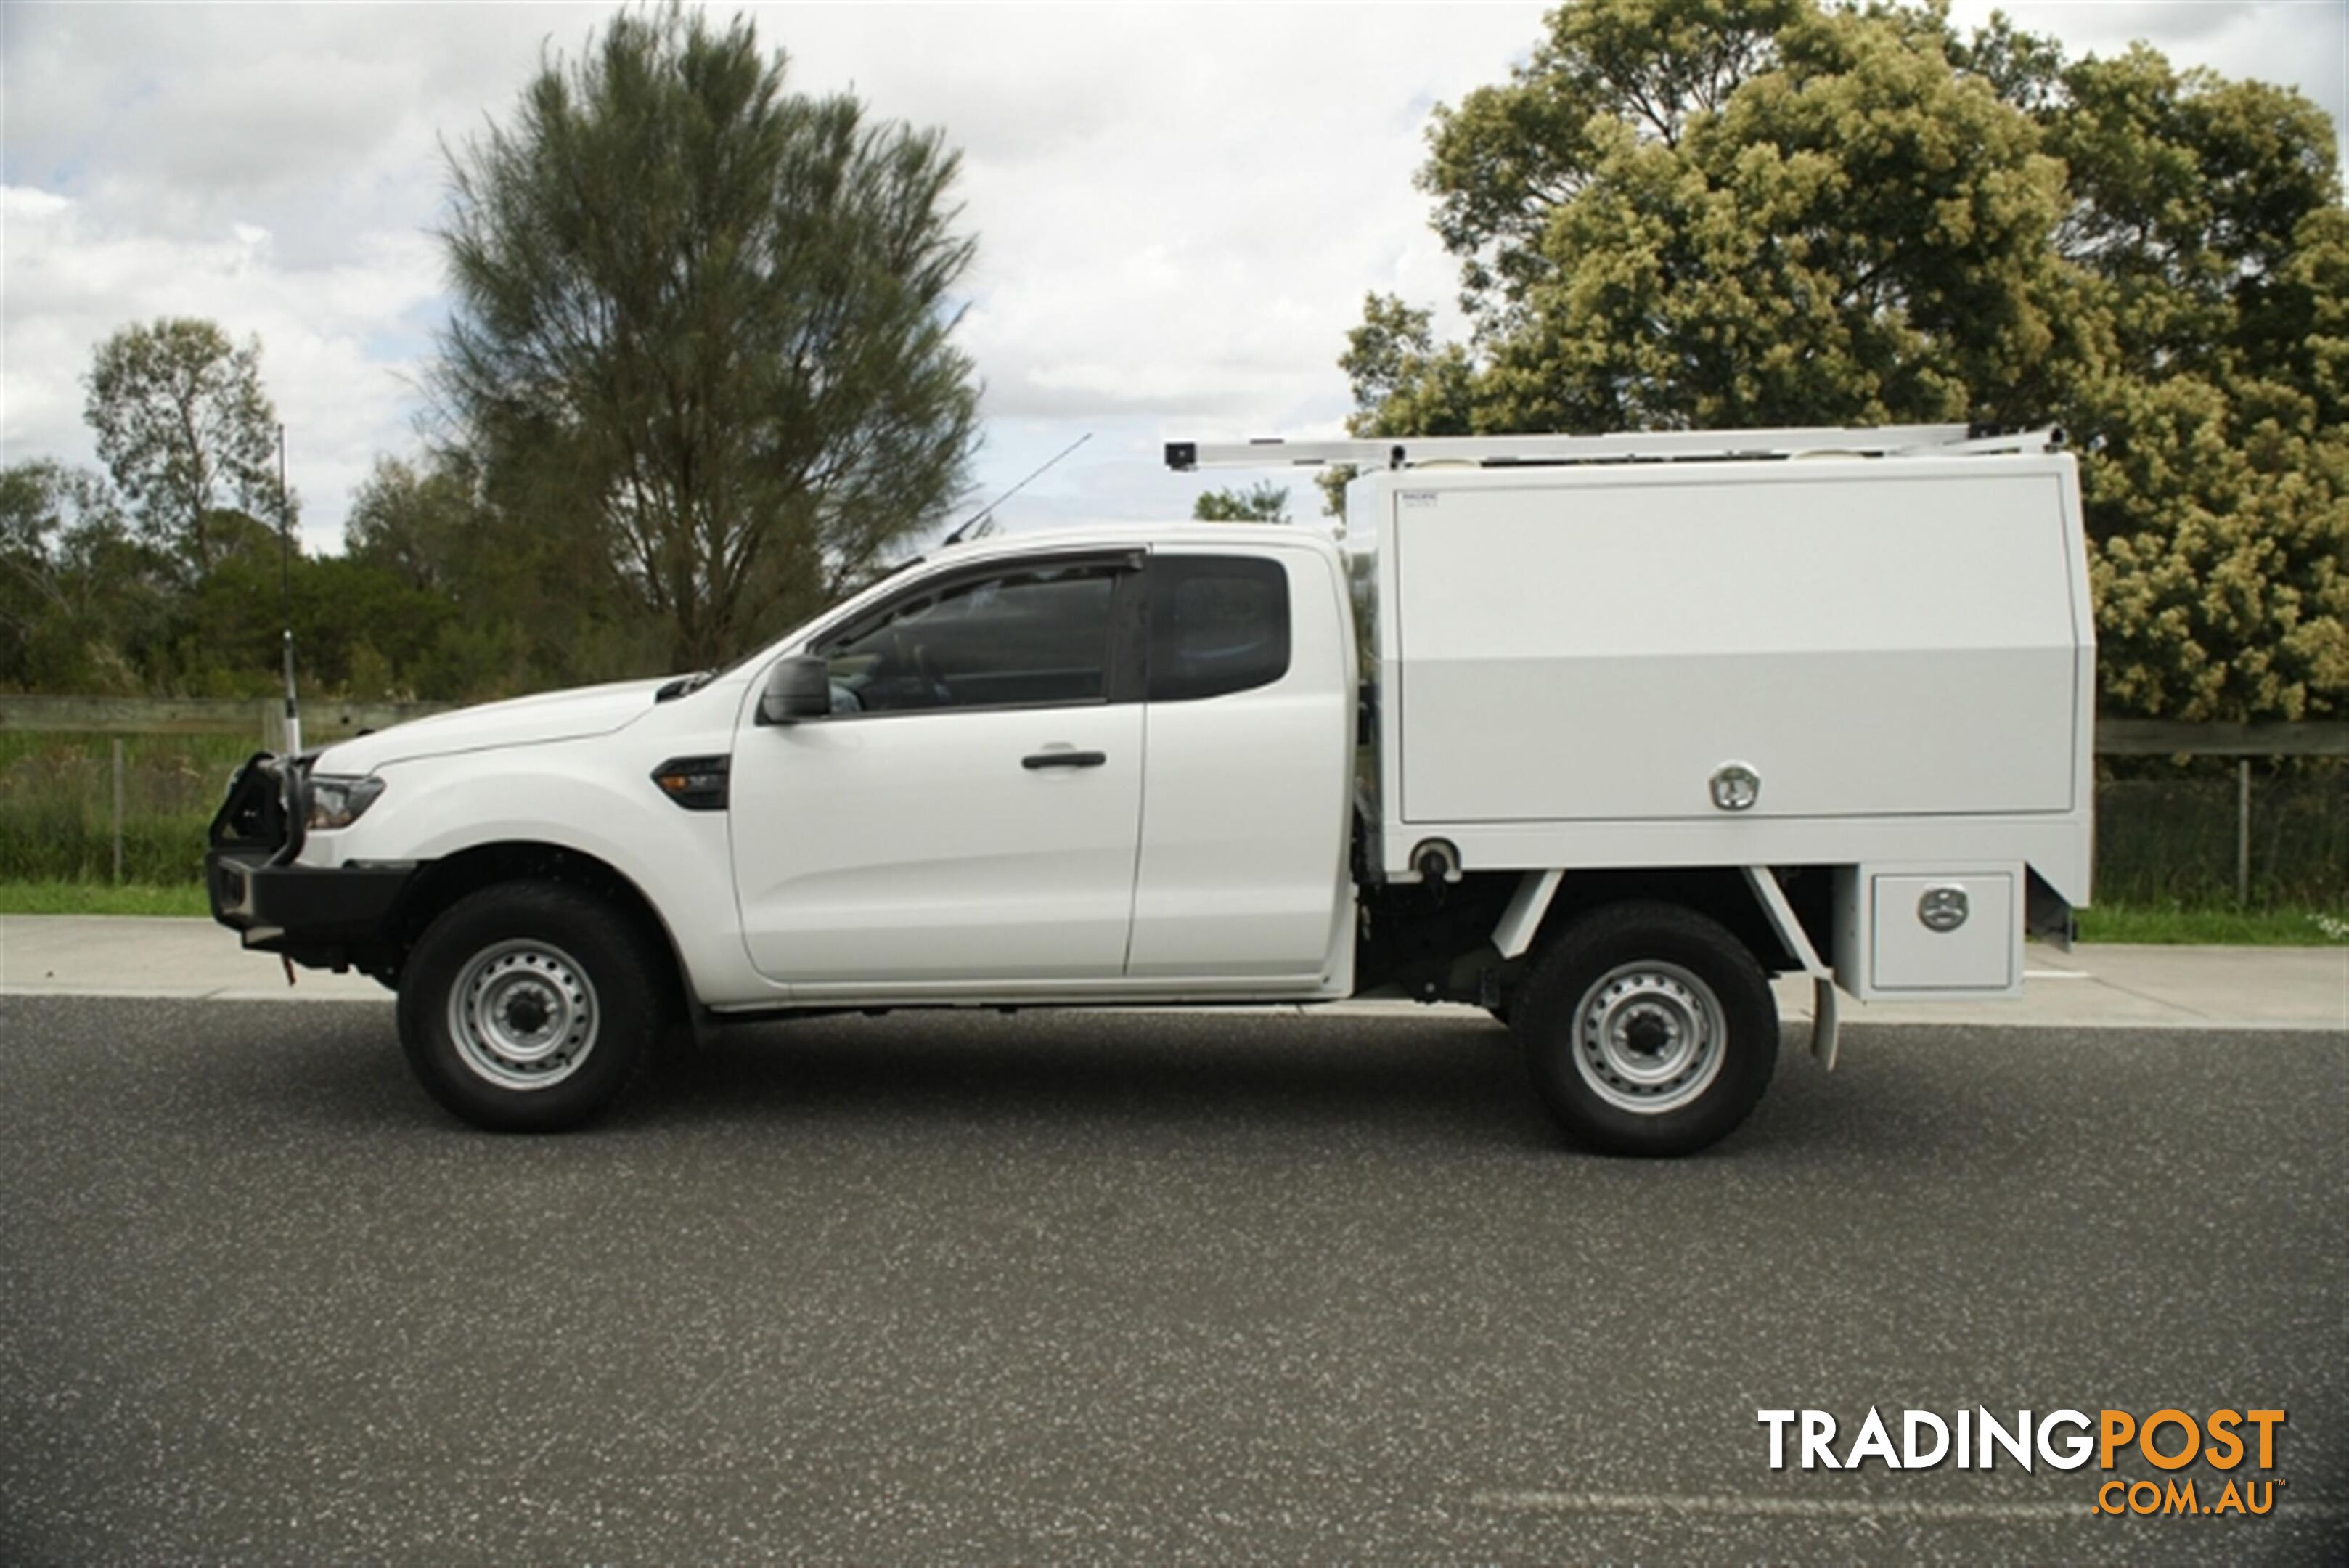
[{"x": 797, "y": 689}]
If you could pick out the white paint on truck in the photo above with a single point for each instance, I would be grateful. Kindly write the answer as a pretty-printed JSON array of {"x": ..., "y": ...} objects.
[{"x": 1902, "y": 649}]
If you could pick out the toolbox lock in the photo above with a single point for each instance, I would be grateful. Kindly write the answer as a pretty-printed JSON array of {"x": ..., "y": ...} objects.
[
  {"x": 1736, "y": 786},
  {"x": 1943, "y": 908}
]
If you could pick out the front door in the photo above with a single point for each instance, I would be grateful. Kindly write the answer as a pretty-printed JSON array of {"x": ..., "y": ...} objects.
[{"x": 969, "y": 813}]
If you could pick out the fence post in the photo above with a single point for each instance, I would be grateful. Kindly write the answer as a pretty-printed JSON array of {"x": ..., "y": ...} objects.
[
  {"x": 2243, "y": 832},
  {"x": 117, "y": 811}
]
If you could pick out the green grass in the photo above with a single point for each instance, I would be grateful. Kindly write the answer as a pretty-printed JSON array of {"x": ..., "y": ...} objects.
[
  {"x": 2214, "y": 927},
  {"x": 57, "y": 806},
  {"x": 102, "y": 899}
]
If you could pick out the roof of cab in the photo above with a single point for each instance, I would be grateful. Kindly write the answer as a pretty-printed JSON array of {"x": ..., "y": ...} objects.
[{"x": 1131, "y": 534}]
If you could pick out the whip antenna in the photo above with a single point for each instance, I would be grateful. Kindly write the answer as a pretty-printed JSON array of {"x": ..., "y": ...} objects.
[
  {"x": 987, "y": 512},
  {"x": 285, "y": 600}
]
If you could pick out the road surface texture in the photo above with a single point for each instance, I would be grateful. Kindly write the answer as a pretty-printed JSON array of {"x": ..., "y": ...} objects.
[{"x": 1140, "y": 1288}]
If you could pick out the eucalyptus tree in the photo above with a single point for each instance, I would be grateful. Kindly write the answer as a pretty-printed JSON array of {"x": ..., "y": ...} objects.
[{"x": 188, "y": 434}]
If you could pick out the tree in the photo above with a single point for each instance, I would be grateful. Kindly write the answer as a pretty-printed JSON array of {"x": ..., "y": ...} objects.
[
  {"x": 1261, "y": 502},
  {"x": 416, "y": 523},
  {"x": 529, "y": 604},
  {"x": 187, "y": 432},
  {"x": 712, "y": 317},
  {"x": 78, "y": 592},
  {"x": 350, "y": 618},
  {"x": 2206, "y": 214},
  {"x": 1691, "y": 213},
  {"x": 1719, "y": 213}
]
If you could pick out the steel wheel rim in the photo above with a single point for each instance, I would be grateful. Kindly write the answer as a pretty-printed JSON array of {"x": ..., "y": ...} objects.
[
  {"x": 1649, "y": 1037},
  {"x": 523, "y": 1014}
]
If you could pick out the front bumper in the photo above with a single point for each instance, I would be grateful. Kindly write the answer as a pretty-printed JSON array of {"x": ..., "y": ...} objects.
[
  {"x": 304, "y": 912},
  {"x": 324, "y": 917}
]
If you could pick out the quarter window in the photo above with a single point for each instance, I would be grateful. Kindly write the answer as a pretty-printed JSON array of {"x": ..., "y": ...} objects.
[{"x": 1217, "y": 624}]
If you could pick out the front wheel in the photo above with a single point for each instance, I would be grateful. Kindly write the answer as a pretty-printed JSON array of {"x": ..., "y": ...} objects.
[
  {"x": 528, "y": 1007},
  {"x": 1649, "y": 1030}
]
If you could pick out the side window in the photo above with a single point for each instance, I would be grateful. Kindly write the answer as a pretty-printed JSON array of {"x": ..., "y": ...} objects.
[
  {"x": 1025, "y": 639},
  {"x": 1217, "y": 624}
]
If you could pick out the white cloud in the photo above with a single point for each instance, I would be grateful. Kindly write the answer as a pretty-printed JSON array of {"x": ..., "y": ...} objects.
[
  {"x": 2302, "y": 44},
  {"x": 73, "y": 277},
  {"x": 1179, "y": 209}
]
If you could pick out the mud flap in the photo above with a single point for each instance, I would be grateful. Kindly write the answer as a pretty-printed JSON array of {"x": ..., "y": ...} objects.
[{"x": 1824, "y": 1020}]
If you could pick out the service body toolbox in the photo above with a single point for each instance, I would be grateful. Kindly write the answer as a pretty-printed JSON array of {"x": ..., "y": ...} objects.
[{"x": 1885, "y": 664}]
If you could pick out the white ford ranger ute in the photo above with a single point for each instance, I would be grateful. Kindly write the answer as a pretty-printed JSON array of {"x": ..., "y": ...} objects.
[{"x": 1596, "y": 735}]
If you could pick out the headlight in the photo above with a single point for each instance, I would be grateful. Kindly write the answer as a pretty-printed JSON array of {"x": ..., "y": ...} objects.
[{"x": 336, "y": 801}]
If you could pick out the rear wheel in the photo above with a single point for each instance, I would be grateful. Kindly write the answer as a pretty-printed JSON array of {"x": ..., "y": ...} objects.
[
  {"x": 1649, "y": 1030},
  {"x": 528, "y": 1006}
]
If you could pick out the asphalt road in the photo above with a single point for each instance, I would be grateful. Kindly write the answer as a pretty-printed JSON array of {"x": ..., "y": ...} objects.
[{"x": 1133, "y": 1288}]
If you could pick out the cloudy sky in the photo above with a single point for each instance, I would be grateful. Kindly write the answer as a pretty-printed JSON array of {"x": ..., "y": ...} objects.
[{"x": 1179, "y": 209}]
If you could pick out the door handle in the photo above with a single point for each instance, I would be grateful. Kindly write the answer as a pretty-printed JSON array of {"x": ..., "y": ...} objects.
[{"x": 1063, "y": 760}]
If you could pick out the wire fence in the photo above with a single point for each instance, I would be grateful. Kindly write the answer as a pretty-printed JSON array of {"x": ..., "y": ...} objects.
[
  {"x": 2185, "y": 842},
  {"x": 99, "y": 808},
  {"x": 122, "y": 789}
]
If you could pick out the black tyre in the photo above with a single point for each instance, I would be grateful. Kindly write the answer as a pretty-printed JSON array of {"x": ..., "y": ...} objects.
[
  {"x": 1649, "y": 1030},
  {"x": 530, "y": 1006}
]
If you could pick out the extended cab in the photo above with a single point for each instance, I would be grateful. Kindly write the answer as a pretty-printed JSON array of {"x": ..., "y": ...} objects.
[{"x": 1598, "y": 733}]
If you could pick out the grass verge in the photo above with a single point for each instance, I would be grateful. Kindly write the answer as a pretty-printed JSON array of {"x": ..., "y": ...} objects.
[
  {"x": 49, "y": 897},
  {"x": 2171, "y": 926}
]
